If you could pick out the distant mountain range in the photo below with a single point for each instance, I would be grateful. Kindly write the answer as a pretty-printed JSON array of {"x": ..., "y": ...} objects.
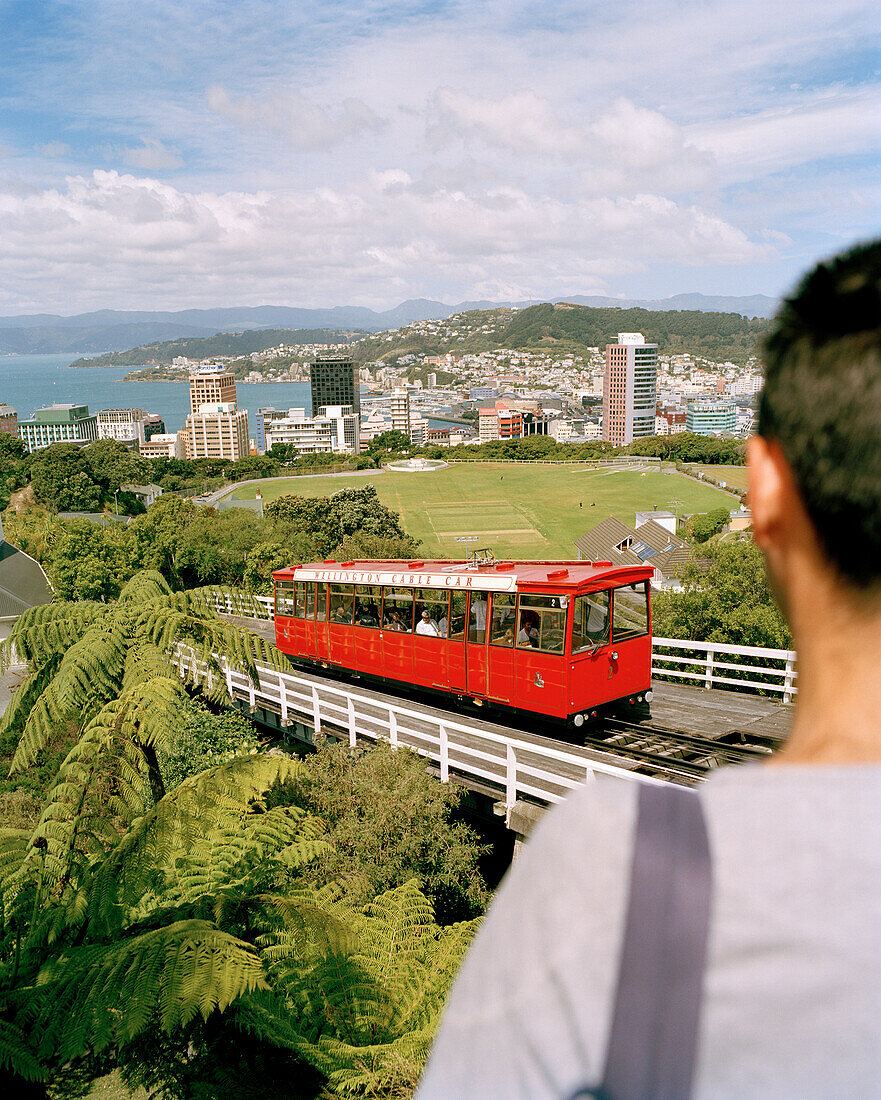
[{"x": 117, "y": 330}]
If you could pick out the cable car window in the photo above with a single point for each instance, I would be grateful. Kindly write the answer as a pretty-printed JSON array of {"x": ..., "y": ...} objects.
[
  {"x": 503, "y": 620},
  {"x": 320, "y": 602},
  {"x": 299, "y": 600},
  {"x": 341, "y": 601},
  {"x": 630, "y": 612},
  {"x": 397, "y": 610},
  {"x": 432, "y": 612},
  {"x": 590, "y": 624},
  {"x": 542, "y": 623},
  {"x": 284, "y": 598},
  {"x": 310, "y": 599},
  {"x": 368, "y": 600},
  {"x": 457, "y": 615},
  {"x": 477, "y": 617}
]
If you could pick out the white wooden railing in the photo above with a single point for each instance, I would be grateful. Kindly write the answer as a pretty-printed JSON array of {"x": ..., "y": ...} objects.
[
  {"x": 707, "y": 664},
  {"x": 519, "y": 766},
  {"x": 735, "y": 667}
]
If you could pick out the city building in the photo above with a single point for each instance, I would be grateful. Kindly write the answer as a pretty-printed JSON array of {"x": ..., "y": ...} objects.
[
  {"x": 8, "y": 420},
  {"x": 59, "y": 424},
  {"x": 629, "y": 389},
  {"x": 218, "y": 431},
  {"x": 483, "y": 393},
  {"x": 711, "y": 417},
  {"x": 400, "y": 409},
  {"x": 124, "y": 425},
  {"x": 265, "y": 417},
  {"x": 165, "y": 445},
  {"x": 211, "y": 387},
  {"x": 500, "y": 424},
  {"x": 334, "y": 431},
  {"x": 153, "y": 425},
  {"x": 216, "y": 426},
  {"x": 334, "y": 384}
]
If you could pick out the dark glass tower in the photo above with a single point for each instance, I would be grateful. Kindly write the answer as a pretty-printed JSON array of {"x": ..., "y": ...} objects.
[{"x": 334, "y": 381}]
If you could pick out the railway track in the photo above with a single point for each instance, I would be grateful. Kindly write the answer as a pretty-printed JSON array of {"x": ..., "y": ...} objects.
[{"x": 673, "y": 753}]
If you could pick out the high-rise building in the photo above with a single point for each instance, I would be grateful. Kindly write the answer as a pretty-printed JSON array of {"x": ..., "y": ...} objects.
[
  {"x": 59, "y": 424},
  {"x": 334, "y": 382},
  {"x": 218, "y": 431},
  {"x": 211, "y": 387},
  {"x": 629, "y": 389},
  {"x": 216, "y": 426},
  {"x": 400, "y": 408}
]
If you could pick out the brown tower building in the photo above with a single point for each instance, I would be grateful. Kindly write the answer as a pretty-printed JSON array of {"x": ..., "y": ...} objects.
[
  {"x": 629, "y": 389},
  {"x": 212, "y": 387}
]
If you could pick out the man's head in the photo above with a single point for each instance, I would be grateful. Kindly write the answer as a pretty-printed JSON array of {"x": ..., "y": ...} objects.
[
  {"x": 425, "y": 616},
  {"x": 821, "y": 411}
]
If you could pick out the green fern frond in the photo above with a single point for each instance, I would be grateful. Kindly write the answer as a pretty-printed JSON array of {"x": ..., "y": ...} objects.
[
  {"x": 91, "y": 670},
  {"x": 147, "y": 585},
  {"x": 16, "y": 1055},
  {"x": 26, "y": 694},
  {"x": 181, "y": 971}
]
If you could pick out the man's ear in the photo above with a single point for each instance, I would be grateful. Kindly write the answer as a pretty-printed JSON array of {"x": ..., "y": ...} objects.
[{"x": 769, "y": 488}]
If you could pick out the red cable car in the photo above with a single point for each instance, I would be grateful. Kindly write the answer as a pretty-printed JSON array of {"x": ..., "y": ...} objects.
[{"x": 558, "y": 638}]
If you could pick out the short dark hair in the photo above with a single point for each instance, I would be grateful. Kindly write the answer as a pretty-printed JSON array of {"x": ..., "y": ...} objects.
[{"x": 822, "y": 403}]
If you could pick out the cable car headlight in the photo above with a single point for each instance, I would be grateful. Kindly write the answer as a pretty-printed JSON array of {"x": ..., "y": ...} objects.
[{"x": 578, "y": 719}]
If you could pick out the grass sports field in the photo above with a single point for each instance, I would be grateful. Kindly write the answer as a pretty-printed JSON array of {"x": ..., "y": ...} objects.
[
  {"x": 735, "y": 476},
  {"x": 518, "y": 510}
]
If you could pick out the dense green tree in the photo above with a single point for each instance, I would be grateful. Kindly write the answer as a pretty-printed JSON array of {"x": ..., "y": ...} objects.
[
  {"x": 388, "y": 821},
  {"x": 251, "y": 466},
  {"x": 727, "y": 598},
  {"x": 327, "y": 521},
  {"x": 391, "y": 442},
  {"x": 204, "y": 738},
  {"x": 706, "y": 524},
  {"x": 264, "y": 558},
  {"x": 214, "y": 546},
  {"x": 159, "y": 531},
  {"x": 112, "y": 465},
  {"x": 89, "y": 562},
  {"x": 62, "y": 479}
]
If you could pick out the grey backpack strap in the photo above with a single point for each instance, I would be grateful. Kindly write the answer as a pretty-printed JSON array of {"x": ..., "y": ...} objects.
[{"x": 652, "y": 1046}]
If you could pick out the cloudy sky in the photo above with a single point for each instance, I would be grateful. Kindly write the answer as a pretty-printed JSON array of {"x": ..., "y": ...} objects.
[{"x": 318, "y": 152}]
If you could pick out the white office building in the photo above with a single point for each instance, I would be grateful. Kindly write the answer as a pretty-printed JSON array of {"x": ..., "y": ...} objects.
[{"x": 335, "y": 430}]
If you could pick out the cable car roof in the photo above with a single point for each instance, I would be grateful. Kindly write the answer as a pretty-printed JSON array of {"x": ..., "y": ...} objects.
[{"x": 496, "y": 576}]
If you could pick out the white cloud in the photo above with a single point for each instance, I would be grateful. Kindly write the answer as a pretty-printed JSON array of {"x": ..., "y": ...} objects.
[
  {"x": 55, "y": 149},
  {"x": 522, "y": 122},
  {"x": 304, "y": 125},
  {"x": 151, "y": 155},
  {"x": 120, "y": 238},
  {"x": 834, "y": 122}
]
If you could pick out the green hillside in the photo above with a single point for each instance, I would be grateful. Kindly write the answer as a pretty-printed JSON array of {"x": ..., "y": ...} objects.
[
  {"x": 223, "y": 343},
  {"x": 564, "y": 328}
]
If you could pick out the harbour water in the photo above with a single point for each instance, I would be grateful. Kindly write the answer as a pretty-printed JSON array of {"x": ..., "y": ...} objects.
[{"x": 29, "y": 382}]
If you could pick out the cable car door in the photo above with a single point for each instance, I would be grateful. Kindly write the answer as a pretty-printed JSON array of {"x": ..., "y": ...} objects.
[
  {"x": 500, "y": 660},
  {"x": 322, "y": 641},
  {"x": 475, "y": 645},
  {"x": 456, "y": 656}
]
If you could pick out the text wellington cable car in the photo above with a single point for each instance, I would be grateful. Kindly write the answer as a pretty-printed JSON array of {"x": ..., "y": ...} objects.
[{"x": 562, "y": 639}]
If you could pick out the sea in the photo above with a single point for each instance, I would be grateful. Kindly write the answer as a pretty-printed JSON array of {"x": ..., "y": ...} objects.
[{"x": 29, "y": 382}]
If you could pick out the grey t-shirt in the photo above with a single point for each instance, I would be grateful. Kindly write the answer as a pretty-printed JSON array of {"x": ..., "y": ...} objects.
[{"x": 792, "y": 1003}]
